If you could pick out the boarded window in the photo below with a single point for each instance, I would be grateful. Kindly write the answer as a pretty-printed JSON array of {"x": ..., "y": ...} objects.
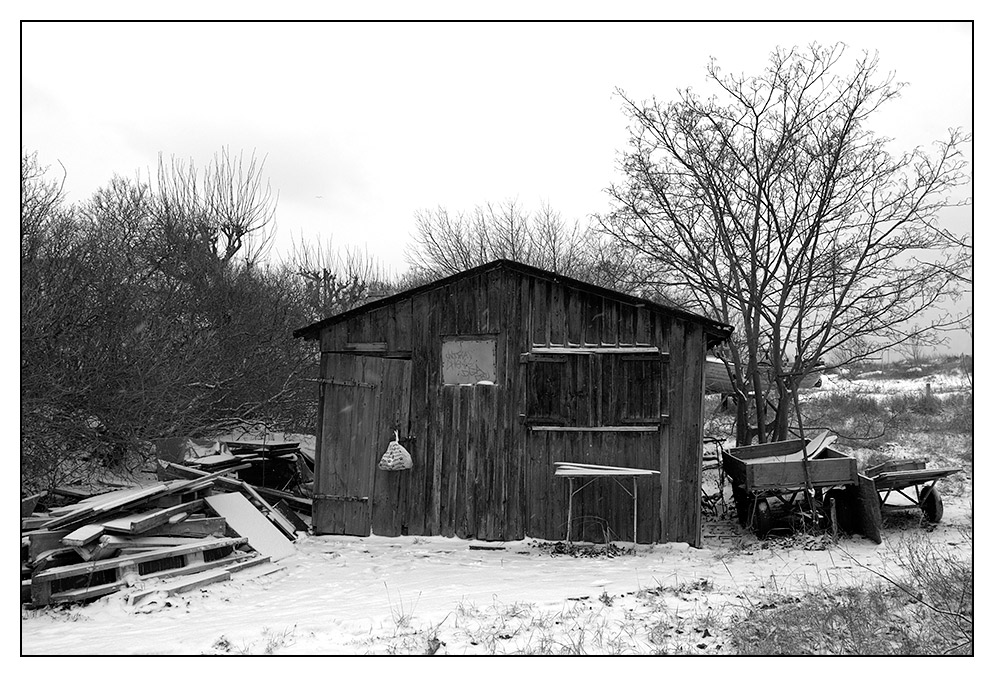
[
  {"x": 546, "y": 390},
  {"x": 584, "y": 389},
  {"x": 641, "y": 378},
  {"x": 469, "y": 360}
]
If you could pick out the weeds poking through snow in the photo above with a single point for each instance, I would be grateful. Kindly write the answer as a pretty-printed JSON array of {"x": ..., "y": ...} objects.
[{"x": 401, "y": 618}]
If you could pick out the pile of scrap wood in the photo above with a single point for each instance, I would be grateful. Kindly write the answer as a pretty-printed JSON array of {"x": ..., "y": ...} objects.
[
  {"x": 281, "y": 472},
  {"x": 165, "y": 538}
]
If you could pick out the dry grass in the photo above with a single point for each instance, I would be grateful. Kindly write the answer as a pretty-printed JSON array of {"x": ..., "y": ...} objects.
[{"x": 926, "y": 611}]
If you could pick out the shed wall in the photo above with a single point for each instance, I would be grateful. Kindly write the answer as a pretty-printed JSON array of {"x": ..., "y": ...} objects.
[{"x": 479, "y": 471}]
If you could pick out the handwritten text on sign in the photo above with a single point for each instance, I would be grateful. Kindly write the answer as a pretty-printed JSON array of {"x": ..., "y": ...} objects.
[{"x": 465, "y": 361}]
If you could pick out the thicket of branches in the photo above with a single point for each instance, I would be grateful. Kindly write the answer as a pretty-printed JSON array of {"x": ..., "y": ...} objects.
[
  {"x": 773, "y": 206},
  {"x": 149, "y": 311},
  {"x": 446, "y": 243}
]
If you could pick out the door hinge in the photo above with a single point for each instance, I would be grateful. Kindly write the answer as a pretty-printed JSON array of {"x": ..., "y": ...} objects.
[
  {"x": 333, "y": 497},
  {"x": 342, "y": 382}
]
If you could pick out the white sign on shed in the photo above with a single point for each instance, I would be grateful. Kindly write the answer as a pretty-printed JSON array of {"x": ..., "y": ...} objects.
[{"x": 468, "y": 361}]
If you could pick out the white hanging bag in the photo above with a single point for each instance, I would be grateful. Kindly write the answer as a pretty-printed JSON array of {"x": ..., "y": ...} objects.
[{"x": 396, "y": 456}]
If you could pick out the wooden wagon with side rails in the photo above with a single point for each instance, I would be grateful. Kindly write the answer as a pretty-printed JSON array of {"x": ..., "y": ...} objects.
[{"x": 769, "y": 483}]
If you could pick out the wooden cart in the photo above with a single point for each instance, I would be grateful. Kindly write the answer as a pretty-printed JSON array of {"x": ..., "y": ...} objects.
[
  {"x": 912, "y": 481},
  {"x": 767, "y": 479}
]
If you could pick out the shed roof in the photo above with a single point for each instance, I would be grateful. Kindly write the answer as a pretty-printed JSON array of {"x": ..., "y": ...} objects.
[{"x": 719, "y": 331}]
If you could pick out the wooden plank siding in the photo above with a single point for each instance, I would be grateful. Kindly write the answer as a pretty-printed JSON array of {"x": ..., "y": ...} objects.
[{"x": 480, "y": 470}]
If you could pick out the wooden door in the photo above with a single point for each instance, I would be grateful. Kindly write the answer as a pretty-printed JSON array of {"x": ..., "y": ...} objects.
[{"x": 364, "y": 400}]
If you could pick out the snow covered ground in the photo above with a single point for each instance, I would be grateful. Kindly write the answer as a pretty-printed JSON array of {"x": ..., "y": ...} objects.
[
  {"x": 346, "y": 595},
  {"x": 412, "y": 595}
]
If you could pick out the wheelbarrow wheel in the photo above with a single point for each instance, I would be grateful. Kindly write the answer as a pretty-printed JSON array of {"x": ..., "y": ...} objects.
[
  {"x": 762, "y": 519},
  {"x": 931, "y": 503}
]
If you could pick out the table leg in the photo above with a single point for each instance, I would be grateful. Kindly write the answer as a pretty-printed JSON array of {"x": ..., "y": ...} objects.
[{"x": 569, "y": 512}]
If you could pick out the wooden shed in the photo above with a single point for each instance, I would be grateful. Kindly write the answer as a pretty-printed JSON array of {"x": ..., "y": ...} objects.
[{"x": 490, "y": 377}]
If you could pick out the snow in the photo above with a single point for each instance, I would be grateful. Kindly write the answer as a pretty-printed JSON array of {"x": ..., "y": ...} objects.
[
  {"x": 348, "y": 595},
  {"x": 351, "y": 595},
  {"x": 944, "y": 383}
]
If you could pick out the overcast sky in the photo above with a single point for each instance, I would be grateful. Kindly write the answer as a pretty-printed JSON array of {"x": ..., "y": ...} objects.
[{"x": 364, "y": 124}]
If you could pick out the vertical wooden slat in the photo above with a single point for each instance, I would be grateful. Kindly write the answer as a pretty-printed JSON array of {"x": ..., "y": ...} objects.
[
  {"x": 642, "y": 328},
  {"x": 539, "y": 313},
  {"x": 462, "y": 509},
  {"x": 511, "y": 401},
  {"x": 593, "y": 319},
  {"x": 450, "y": 437},
  {"x": 421, "y": 355},
  {"x": 574, "y": 316},
  {"x": 609, "y": 331},
  {"x": 669, "y": 440},
  {"x": 557, "y": 315}
]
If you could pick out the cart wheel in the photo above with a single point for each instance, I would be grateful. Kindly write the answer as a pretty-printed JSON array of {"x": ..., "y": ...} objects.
[
  {"x": 843, "y": 511},
  {"x": 931, "y": 504},
  {"x": 762, "y": 519}
]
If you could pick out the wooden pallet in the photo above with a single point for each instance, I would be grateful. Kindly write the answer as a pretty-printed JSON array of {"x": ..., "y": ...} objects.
[
  {"x": 77, "y": 582},
  {"x": 184, "y": 583}
]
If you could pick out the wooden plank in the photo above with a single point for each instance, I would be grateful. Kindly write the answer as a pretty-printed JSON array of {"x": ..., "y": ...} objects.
[
  {"x": 539, "y": 313},
  {"x": 451, "y": 451},
  {"x": 35, "y": 522},
  {"x": 197, "y": 527},
  {"x": 557, "y": 315},
  {"x": 28, "y": 503},
  {"x": 148, "y": 542},
  {"x": 245, "y": 520},
  {"x": 596, "y": 428},
  {"x": 609, "y": 331},
  {"x": 593, "y": 319},
  {"x": 769, "y": 449},
  {"x": 57, "y": 556},
  {"x": 298, "y": 503},
  {"x": 83, "y": 535},
  {"x": 421, "y": 354},
  {"x": 366, "y": 347},
  {"x": 670, "y": 443},
  {"x": 182, "y": 584},
  {"x": 790, "y": 474},
  {"x": 136, "y": 524},
  {"x": 75, "y": 494},
  {"x": 869, "y": 517},
  {"x": 107, "y": 588},
  {"x": 235, "y": 485},
  {"x": 91, "y": 567},
  {"x": 574, "y": 316},
  {"x": 464, "y": 527},
  {"x": 42, "y": 540},
  {"x": 507, "y": 424},
  {"x": 288, "y": 513}
]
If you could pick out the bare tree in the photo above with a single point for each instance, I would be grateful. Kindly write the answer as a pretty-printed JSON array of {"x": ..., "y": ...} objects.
[
  {"x": 334, "y": 279},
  {"x": 447, "y": 243},
  {"x": 774, "y": 207},
  {"x": 146, "y": 312}
]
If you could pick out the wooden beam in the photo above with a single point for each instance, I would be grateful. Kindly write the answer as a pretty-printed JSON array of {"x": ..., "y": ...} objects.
[
  {"x": 595, "y": 429},
  {"x": 136, "y": 524},
  {"x": 599, "y": 350}
]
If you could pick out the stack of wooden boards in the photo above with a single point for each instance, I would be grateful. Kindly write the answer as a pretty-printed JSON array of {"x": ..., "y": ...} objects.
[
  {"x": 165, "y": 538},
  {"x": 282, "y": 472}
]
